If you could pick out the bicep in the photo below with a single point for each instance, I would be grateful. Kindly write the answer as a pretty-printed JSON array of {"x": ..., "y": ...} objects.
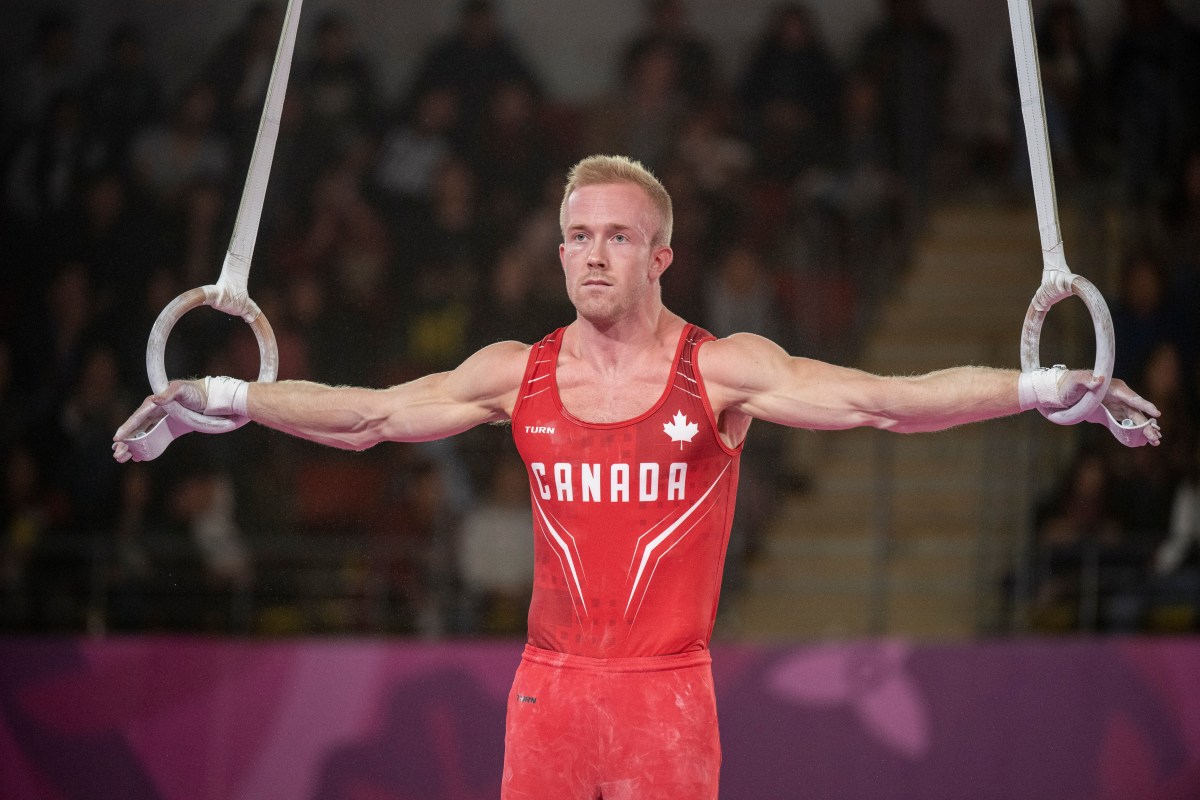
[
  {"x": 752, "y": 375},
  {"x": 482, "y": 389}
]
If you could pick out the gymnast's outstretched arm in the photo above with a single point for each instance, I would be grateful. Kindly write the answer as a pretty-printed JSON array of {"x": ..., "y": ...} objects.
[
  {"x": 481, "y": 389},
  {"x": 752, "y": 376}
]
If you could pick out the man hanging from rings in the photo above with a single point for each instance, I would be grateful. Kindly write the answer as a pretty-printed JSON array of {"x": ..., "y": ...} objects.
[{"x": 630, "y": 421}]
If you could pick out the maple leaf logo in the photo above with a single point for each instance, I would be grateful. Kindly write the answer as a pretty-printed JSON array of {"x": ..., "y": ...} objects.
[{"x": 680, "y": 430}]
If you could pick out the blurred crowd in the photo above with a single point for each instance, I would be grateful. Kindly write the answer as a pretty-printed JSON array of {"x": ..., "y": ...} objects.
[
  {"x": 401, "y": 233},
  {"x": 1117, "y": 541}
]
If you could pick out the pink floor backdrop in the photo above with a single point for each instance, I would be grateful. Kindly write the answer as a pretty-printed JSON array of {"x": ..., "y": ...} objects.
[{"x": 193, "y": 719}]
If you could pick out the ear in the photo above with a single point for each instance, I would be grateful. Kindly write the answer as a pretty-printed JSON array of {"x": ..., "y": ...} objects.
[
  {"x": 660, "y": 259},
  {"x": 562, "y": 258}
]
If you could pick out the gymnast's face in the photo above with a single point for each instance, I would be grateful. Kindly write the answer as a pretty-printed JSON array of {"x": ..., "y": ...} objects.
[{"x": 611, "y": 265}]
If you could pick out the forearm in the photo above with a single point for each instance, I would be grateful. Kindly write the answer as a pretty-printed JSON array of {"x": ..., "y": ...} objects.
[
  {"x": 346, "y": 417},
  {"x": 433, "y": 407},
  {"x": 944, "y": 399}
]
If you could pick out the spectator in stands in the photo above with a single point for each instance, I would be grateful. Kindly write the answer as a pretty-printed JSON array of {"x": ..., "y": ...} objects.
[
  {"x": 15, "y": 411},
  {"x": 87, "y": 413},
  {"x": 495, "y": 551},
  {"x": 643, "y": 116},
  {"x": 116, "y": 239},
  {"x": 238, "y": 70},
  {"x": 1153, "y": 72},
  {"x": 348, "y": 240},
  {"x": 132, "y": 576},
  {"x": 51, "y": 162},
  {"x": 420, "y": 568},
  {"x": 473, "y": 60},
  {"x": 1180, "y": 549},
  {"x": 667, "y": 27},
  {"x": 198, "y": 231},
  {"x": 741, "y": 296},
  {"x": 1142, "y": 317},
  {"x": 52, "y": 69},
  {"x": 124, "y": 95},
  {"x": 445, "y": 250},
  {"x": 1183, "y": 212},
  {"x": 791, "y": 90},
  {"x": 1070, "y": 89},
  {"x": 159, "y": 286},
  {"x": 55, "y": 334},
  {"x": 851, "y": 208},
  {"x": 1182, "y": 220},
  {"x": 519, "y": 289},
  {"x": 1146, "y": 485},
  {"x": 911, "y": 57},
  {"x": 29, "y": 506},
  {"x": 510, "y": 305},
  {"x": 413, "y": 151},
  {"x": 511, "y": 155},
  {"x": 217, "y": 569},
  {"x": 167, "y": 159},
  {"x": 337, "y": 87},
  {"x": 1076, "y": 527},
  {"x": 704, "y": 223},
  {"x": 710, "y": 148}
]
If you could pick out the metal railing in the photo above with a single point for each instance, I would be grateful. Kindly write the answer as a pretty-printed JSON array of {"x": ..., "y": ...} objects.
[{"x": 358, "y": 581}]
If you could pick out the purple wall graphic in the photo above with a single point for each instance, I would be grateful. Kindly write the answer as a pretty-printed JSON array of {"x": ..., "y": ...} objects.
[{"x": 197, "y": 719}]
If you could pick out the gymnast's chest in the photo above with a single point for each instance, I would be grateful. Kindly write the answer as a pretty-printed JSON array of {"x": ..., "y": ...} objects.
[{"x": 589, "y": 399}]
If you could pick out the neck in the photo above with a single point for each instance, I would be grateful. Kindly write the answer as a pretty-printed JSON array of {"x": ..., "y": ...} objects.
[{"x": 618, "y": 345}]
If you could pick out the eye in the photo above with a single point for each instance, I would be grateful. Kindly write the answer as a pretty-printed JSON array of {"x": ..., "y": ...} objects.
[{"x": 620, "y": 238}]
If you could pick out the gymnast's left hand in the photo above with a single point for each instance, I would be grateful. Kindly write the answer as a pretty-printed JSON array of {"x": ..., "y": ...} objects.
[
  {"x": 1129, "y": 410},
  {"x": 189, "y": 394}
]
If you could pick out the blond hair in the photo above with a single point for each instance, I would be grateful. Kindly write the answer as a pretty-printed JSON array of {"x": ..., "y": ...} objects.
[{"x": 597, "y": 170}]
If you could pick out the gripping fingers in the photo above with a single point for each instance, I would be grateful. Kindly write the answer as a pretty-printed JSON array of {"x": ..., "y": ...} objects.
[
  {"x": 1122, "y": 393},
  {"x": 121, "y": 452},
  {"x": 189, "y": 394},
  {"x": 1133, "y": 430},
  {"x": 148, "y": 413},
  {"x": 1131, "y": 418}
]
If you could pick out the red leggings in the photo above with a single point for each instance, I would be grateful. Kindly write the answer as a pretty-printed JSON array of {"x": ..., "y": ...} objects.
[{"x": 611, "y": 729}]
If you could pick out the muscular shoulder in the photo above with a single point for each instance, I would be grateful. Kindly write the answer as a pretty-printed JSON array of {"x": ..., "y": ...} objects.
[
  {"x": 507, "y": 355},
  {"x": 492, "y": 375},
  {"x": 733, "y": 368},
  {"x": 733, "y": 362}
]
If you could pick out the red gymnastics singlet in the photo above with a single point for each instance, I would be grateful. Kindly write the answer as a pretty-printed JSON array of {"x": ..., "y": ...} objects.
[{"x": 631, "y": 519}]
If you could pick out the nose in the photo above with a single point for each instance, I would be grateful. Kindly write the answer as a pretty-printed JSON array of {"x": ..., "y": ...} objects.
[{"x": 596, "y": 258}]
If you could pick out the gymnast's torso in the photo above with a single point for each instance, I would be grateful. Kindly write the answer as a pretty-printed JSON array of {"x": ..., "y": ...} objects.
[{"x": 631, "y": 518}]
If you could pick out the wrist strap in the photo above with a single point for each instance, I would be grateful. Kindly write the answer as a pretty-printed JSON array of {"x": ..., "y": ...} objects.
[
  {"x": 225, "y": 396},
  {"x": 1040, "y": 388}
]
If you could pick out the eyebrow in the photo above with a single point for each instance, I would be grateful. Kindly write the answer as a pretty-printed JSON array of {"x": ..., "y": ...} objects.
[{"x": 617, "y": 227}]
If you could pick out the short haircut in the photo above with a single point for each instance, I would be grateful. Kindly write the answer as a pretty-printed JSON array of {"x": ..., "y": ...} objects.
[{"x": 598, "y": 170}]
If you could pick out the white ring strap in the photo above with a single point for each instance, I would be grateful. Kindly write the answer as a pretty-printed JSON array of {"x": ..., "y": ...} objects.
[
  {"x": 1058, "y": 282},
  {"x": 229, "y": 294},
  {"x": 235, "y": 272}
]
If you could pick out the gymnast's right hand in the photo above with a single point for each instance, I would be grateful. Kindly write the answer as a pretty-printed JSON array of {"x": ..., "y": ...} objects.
[{"x": 189, "y": 394}]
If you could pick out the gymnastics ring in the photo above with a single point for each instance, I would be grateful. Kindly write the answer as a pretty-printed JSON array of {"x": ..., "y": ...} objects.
[
  {"x": 1056, "y": 287},
  {"x": 156, "y": 346},
  {"x": 1058, "y": 282},
  {"x": 229, "y": 293}
]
